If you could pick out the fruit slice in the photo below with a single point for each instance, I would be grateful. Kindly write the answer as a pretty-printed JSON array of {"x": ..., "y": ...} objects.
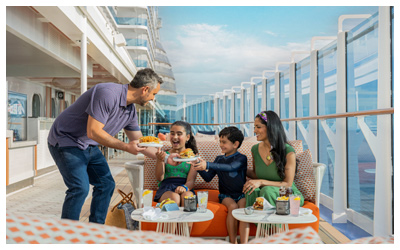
[{"x": 146, "y": 192}]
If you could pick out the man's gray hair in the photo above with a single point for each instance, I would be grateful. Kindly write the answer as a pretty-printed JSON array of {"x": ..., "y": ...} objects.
[{"x": 146, "y": 77}]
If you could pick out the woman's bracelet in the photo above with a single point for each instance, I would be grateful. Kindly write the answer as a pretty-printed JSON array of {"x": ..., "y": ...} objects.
[{"x": 187, "y": 189}]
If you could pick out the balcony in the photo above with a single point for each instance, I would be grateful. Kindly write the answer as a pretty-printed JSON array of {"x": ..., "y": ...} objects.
[{"x": 130, "y": 21}]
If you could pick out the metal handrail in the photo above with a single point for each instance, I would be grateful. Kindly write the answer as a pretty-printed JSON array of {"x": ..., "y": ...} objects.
[{"x": 318, "y": 117}]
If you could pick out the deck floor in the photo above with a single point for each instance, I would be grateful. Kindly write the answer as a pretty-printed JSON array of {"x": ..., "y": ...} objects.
[{"x": 45, "y": 198}]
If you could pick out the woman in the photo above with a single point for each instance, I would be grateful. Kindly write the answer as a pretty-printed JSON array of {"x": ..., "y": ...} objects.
[
  {"x": 274, "y": 163},
  {"x": 176, "y": 181}
]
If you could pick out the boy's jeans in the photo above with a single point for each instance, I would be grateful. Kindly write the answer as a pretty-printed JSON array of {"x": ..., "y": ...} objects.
[{"x": 79, "y": 168}]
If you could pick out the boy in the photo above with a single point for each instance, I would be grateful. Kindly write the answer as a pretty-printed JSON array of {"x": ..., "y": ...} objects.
[{"x": 231, "y": 170}]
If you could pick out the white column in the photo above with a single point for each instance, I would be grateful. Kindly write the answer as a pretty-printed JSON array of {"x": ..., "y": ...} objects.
[
  {"x": 242, "y": 93},
  {"x": 232, "y": 108},
  {"x": 313, "y": 125},
  {"x": 340, "y": 145},
  {"x": 277, "y": 92},
  {"x": 252, "y": 108},
  {"x": 84, "y": 57},
  {"x": 216, "y": 108},
  {"x": 383, "y": 140},
  {"x": 292, "y": 101},
  {"x": 225, "y": 98},
  {"x": 184, "y": 107},
  {"x": 264, "y": 94}
]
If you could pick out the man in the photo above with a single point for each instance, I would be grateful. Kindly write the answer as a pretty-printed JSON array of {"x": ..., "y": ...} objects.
[{"x": 95, "y": 117}]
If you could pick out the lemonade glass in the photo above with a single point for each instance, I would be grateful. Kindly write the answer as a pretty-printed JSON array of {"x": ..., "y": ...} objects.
[
  {"x": 202, "y": 197},
  {"x": 294, "y": 205},
  {"x": 147, "y": 198}
]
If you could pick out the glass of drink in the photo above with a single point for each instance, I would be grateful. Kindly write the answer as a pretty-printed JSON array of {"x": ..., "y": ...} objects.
[
  {"x": 294, "y": 205},
  {"x": 202, "y": 197},
  {"x": 147, "y": 198}
]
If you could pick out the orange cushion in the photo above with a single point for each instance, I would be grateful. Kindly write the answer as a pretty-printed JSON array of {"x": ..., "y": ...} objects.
[
  {"x": 315, "y": 211},
  {"x": 215, "y": 227}
]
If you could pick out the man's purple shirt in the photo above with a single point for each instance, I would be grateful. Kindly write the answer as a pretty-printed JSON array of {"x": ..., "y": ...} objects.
[{"x": 105, "y": 102}]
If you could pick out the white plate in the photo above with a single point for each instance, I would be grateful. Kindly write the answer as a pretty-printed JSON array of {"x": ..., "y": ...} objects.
[
  {"x": 152, "y": 144},
  {"x": 185, "y": 159}
]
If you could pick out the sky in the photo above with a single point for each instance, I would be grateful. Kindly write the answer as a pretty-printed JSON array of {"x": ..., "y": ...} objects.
[{"x": 212, "y": 48}]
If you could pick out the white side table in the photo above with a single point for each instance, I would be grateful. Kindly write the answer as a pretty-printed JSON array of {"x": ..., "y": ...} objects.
[
  {"x": 177, "y": 221},
  {"x": 277, "y": 223}
]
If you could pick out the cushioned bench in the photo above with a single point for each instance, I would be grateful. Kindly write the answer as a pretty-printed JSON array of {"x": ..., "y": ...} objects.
[{"x": 308, "y": 180}]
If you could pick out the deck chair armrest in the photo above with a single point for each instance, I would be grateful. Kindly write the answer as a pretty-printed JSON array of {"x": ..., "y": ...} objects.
[
  {"x": 319, "y": 169},
  {"x": 135, "y": 173}
]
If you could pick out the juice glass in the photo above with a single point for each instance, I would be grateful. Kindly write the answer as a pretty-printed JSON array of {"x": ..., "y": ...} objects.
[
  {"x": 147, "y": 198},
  {"x": 294, "y": 205},
  {"x": 202, "y": 197}
]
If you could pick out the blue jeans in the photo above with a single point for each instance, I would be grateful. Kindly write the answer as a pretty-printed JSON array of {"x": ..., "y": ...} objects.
[{"x": 79, "y": 168}]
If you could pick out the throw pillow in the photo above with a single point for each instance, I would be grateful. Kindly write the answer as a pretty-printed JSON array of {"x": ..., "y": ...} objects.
[
  {"x": 297, "y": 145},
  {"x": 304, "y": 179}
]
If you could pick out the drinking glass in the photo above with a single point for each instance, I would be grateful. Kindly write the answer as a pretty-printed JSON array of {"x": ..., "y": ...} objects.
[
  {"x": 202, "y": 197},
  {"x": 147, "y": 198},
  {"x": 294, "y": 205}
]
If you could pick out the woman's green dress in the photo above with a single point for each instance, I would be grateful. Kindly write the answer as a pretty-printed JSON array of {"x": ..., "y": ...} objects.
[{"x": 268, "y": 172}]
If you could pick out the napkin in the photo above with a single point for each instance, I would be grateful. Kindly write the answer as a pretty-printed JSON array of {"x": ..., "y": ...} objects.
[{"x": 150, "y": 213}]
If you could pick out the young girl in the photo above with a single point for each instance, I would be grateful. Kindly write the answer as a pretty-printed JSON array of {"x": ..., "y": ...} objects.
[
  {"x": 274, "y": 162},
  {"x": 176, "y": 181}
]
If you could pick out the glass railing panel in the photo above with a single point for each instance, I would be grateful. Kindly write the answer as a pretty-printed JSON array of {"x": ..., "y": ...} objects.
[
  {"x": 199, "y": 109},
  {"x": 220, "y": 109},
  {"x": 130, "y": 21},
  {"x": 271, "y": 94},
  {"x": 362, "y": 86},
  {"x": 212, "y": 116},
  {"x": 246, "y": 105},
  {"x": 141, "y": 63},
  {"x": 228, "y": 110},
  {"x": 258, "y": 99},
  {"x": 303, "y": 96},
  {"x": 327, "y": 86},
  {"x": 136, "y": 42},
  {"x": 237, "y": 107},
  {"x": 206, "y": 112},
  {"x": 326, "y": 155},
  {"x": 284, "y": 97}
]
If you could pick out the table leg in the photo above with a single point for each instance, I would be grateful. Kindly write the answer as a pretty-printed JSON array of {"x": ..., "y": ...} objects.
[
  {"x": 263, "y": 230},
  {"x": 181, "y": 228}
]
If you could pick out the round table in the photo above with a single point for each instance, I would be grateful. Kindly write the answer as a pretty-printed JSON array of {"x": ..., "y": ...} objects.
[
  {"x": 269, "y": 222},
  {"x": 177, "y": 221}
]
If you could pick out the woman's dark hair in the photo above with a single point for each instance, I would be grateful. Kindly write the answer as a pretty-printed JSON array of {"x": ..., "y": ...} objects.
[
  {"x": 191, "y": 143},
  {"x": 277, "y": 137}
]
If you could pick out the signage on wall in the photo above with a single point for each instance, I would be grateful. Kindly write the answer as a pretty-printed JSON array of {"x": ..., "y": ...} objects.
[{"x": 60, "y": 95}]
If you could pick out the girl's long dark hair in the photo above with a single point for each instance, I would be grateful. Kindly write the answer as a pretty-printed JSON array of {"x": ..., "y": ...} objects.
[
  {"x": 277, "y": 137},
  {"x": 191, "y": 143}
]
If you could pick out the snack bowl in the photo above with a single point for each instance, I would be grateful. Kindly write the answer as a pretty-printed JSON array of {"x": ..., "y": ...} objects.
[{"x": 249, "y": 210}]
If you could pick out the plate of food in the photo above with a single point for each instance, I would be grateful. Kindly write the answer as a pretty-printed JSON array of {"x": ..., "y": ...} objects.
[
  {"x": 186, "y": 155},
  {"x": 150, "y": 141}
]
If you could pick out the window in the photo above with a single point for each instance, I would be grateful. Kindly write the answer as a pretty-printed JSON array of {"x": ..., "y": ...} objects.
[{"x": 16, "y": 111}]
